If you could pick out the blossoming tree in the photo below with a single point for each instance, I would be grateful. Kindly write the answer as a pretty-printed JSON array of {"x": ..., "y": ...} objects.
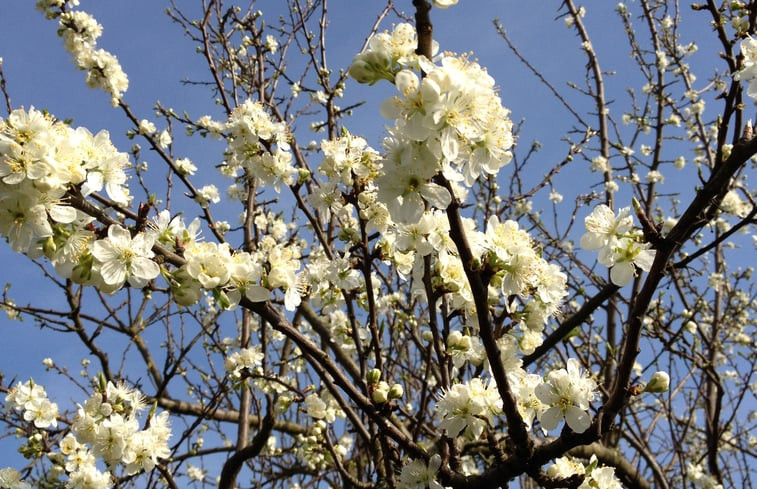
[{"x": 404, "y": 314}]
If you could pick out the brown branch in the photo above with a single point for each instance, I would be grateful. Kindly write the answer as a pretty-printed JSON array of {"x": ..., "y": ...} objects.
[
  {"x": 424, "y": 28},
  {"x": 232, "y": 466},
  {"x": 230, "y": 416},
  {"x": 691, "y": 220},
  {"x": 572, "y": 322},
  {"x": 626, "y": 472},
  {"x": 4, "y": 89}
]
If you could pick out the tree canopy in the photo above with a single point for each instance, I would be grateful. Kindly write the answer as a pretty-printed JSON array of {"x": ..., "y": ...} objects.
[{"x": 266, "y": 295}]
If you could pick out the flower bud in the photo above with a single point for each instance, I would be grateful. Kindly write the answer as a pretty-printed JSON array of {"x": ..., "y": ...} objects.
[
  {"x": 49, "y": 247},
  {"x": 660, "y": 382},
  {"x": 82, "y": 271},
  {"x": 381, "y": 394},
  {"x": 373, "y": 376},
  {"x": 396, "y": 391},
  {"x": 302, "y": 176},
  {"x": 370, "y": 67},
  {"x": 454, "y": 338}
]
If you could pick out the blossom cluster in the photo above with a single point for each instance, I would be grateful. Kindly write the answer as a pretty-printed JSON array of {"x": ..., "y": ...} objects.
[
  {"x": 323, "y": 407},
  {"x": 245, "y": 358},
  {"x": 353, "y": 171},
  {"x": 595, "y": 476},
  {"x": 469, "y": 406},
  {"x": 230, "y": 275},
  {"x": 567, "y": 393},
  {"x": 311, "y": 450},
  {"x": 10, "y": 478},
  {"x": 40, "y": 159},
  {"x": 251, "y": 136},
  {"x": 701, "y": 479},
  {"x": 45, "y": 163},
  {"x": 80, "y": 31},
  {"x": 387, "y": 54},
  {"x": 450, "y": 128},
  {"x": 621, "y": 246},
  {"x": 533, "y": 288},
  {"x": 31, "y": 400},
  {"x": 564, "y": 394},
  {"x": 106, "y": 428},
  {"x": 451, "y": 123},
  {"x": 748, "y": 71}
]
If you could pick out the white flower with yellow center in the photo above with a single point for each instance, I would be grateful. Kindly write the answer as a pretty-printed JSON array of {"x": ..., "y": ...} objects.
[
  {"x": 568, "y": 393},
  {"x": 123, "y": 258}
]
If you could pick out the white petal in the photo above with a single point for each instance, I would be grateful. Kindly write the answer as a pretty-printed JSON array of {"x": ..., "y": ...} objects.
[
  {"x": 94, "y": 183},
  {"x": 645, "y": 259},
  {"x": 578, "y": 419},
  {"x": 113, "y": 272},
  {"x": 291, "y": 299},
  {"x": 434, "y": 463},
  {"x": 144, "y": 268},
  {"x": 449, "y": 144},
  {"x": 545, "y": 393},
  {"x": 592, "y": 241},
  {"x": 436, "y": 195},
  {"x": 550, "y": 418},
  {"x": 119, "y": 235},
  {"x": 622, "y": 273},
  {"x": 255, "y": 293},
  {"x": 63, "y": 214}
]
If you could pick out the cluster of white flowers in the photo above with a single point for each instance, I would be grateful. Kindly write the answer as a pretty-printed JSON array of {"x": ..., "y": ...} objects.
[
  {"x": 567, "y": 394},
  {"x": 469, "y": 406},
  {"x": 106, "y": 428},
  {"x": 31, "y": 400},
  {"x": 80, "y": 31},
  {"x": 323, "y": 407},
  {"x": 621, "y": 246},
  {"x": 449, "y": 123},
  {"x": 10, "y": 478},
  {"x": 700, "y": 479},
  {"x": 733, "y": 204},
  {"x": 251, "y": 138},
  {"x": 44, "y": 162},
  {"x": 212, "y": 266},
  {"x": 245, "y": 358},
  {"x": 520, "y": 271},
  {"x": 532, "y": 288},
  {"x": 595, "y": 476},
  {"x": 564, "y": 393},
  {"x": 416, "y": 474},
  {"x": 463, "y": 348},
  {"x": 748, "y": 71},
  {"x": 40, "y": 159},
  {"x": 311, "y": 450},
  {"x": 387, "y": 54}
]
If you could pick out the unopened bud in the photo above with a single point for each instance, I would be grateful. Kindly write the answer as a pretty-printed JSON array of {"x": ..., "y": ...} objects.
[
  {"x": 660, "y": 382},
  {"x": 454, "y": 338},
  {"x": 49, "y": 247},
  {"x": 396, "y": 391},
  {"x": 381, "y": 394},
  {"x": 373, "y": 376}
]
